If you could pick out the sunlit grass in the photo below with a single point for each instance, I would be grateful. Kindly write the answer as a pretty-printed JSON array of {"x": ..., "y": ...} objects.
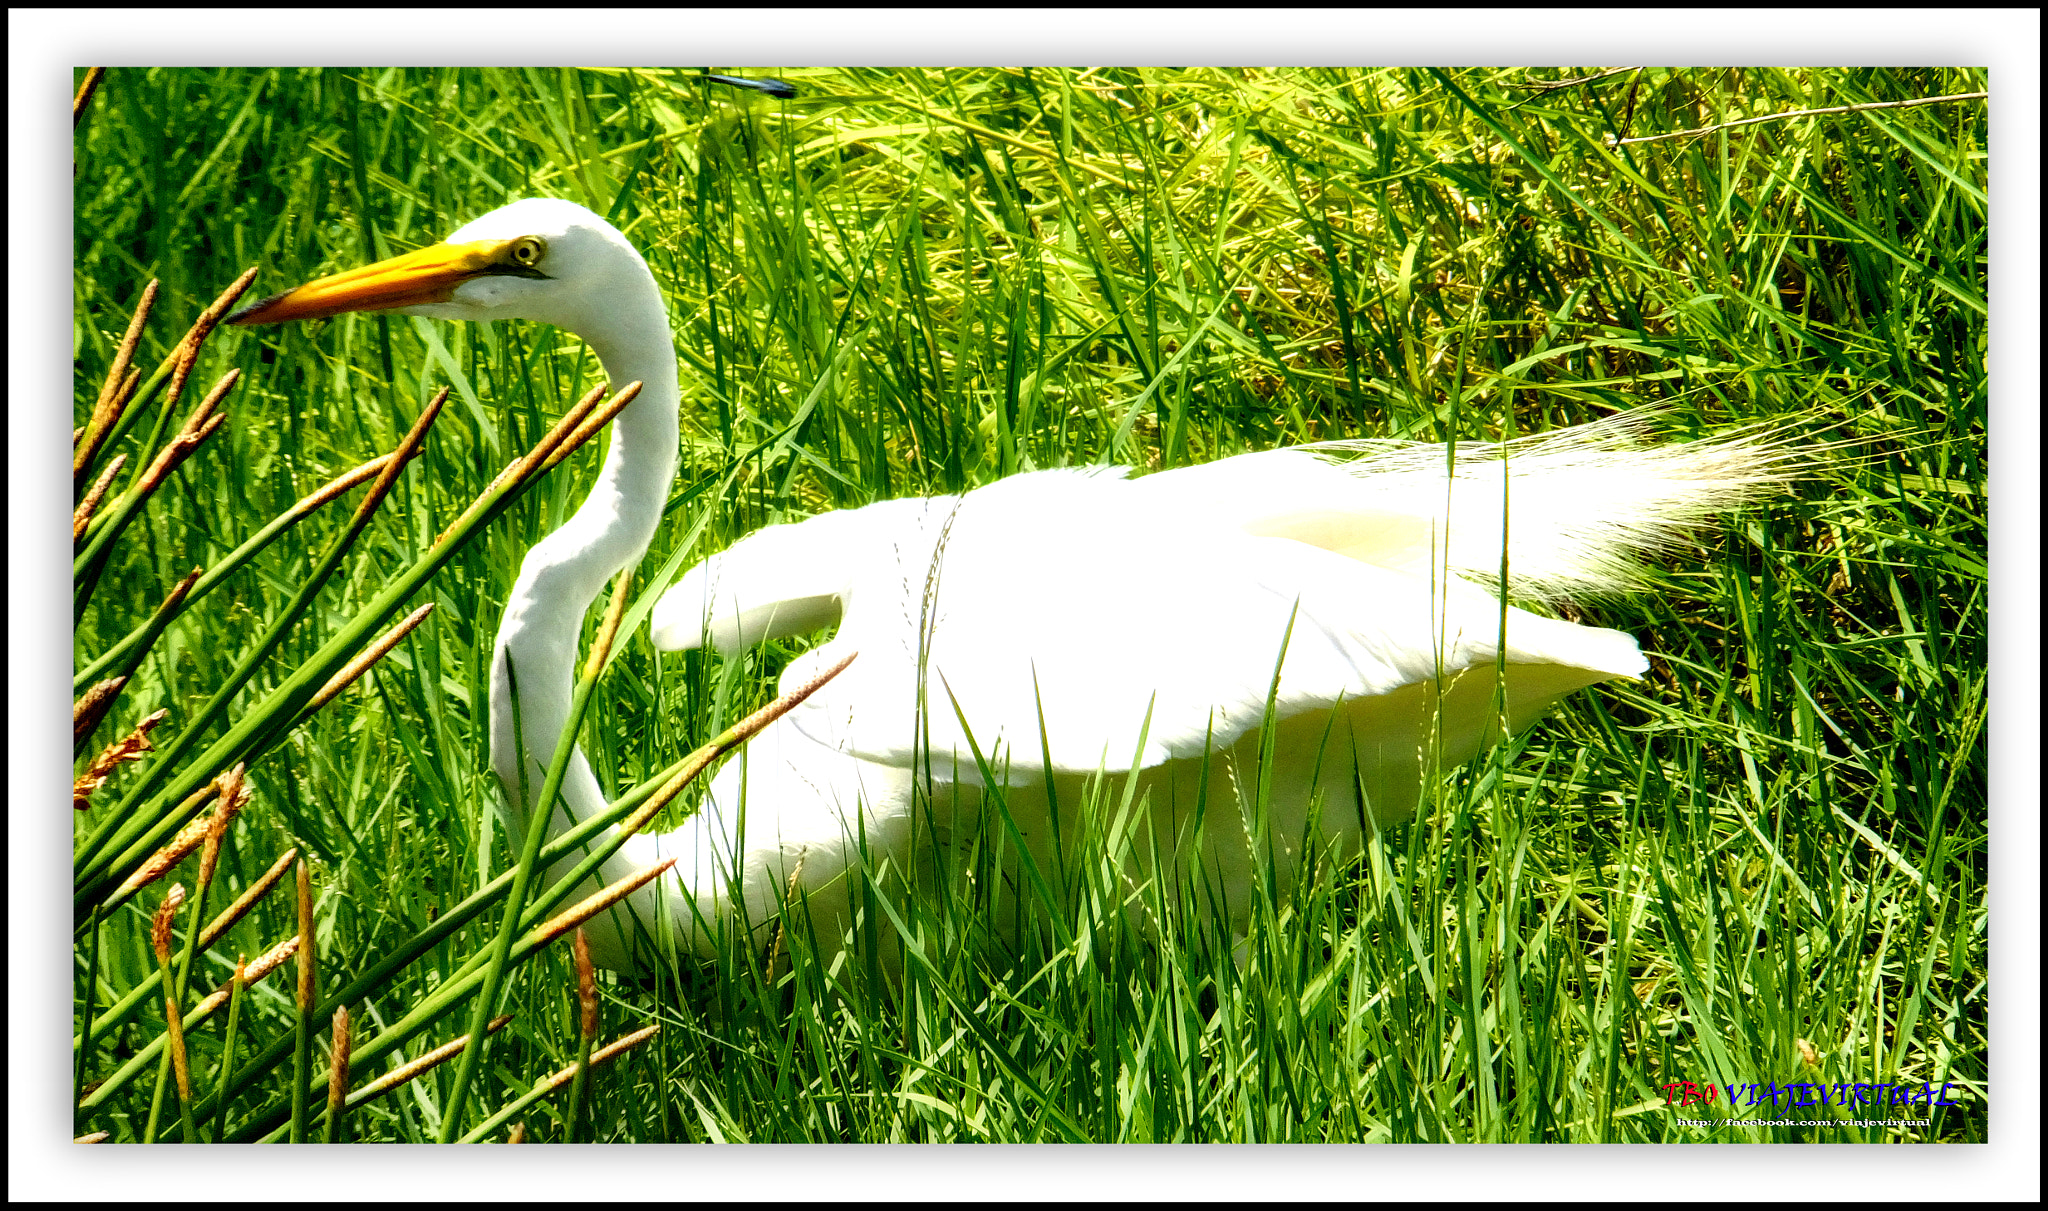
[{"x": 1764, "y": 862}]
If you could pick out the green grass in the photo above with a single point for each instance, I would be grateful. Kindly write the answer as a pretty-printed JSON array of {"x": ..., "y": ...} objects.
[{"x": 1766, "y": 862}]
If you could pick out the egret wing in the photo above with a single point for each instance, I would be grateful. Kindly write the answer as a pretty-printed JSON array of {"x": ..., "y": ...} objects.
[
  {"x": 1140, "y": 639},
  {"x": 785, "y": 579}
]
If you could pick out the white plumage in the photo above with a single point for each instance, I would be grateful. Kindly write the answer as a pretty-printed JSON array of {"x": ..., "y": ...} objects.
[{"x": 1142, "y": 619}]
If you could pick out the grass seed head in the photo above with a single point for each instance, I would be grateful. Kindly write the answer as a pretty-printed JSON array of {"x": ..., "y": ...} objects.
[{"x": 160, "y": 925}]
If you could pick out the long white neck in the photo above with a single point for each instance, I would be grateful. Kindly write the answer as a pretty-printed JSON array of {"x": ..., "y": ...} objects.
[{"x": 563, "y": 574}]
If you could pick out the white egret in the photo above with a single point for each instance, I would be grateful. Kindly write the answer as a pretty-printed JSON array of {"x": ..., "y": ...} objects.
[{"x": 1141, "y": 620}]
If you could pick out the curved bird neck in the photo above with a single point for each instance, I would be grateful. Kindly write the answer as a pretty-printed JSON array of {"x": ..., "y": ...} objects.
[{"x": 564, "y": 572}]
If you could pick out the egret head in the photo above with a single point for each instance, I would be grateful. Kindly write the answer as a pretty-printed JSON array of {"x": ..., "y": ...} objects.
[{"x": 538, "y": 259}]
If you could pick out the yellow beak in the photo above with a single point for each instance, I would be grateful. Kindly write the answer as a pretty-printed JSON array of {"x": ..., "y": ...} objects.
[{"x": 429, "y": 275}]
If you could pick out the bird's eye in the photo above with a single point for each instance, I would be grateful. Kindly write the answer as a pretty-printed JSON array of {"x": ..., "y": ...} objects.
[{"x": 526, "y": 251}]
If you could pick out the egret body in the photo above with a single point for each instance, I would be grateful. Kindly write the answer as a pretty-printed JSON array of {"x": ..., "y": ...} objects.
[{"x": 1055, "y": 627}]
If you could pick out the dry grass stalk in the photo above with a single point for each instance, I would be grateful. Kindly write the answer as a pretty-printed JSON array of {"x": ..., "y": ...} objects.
[
  {"x": 88, "y": 711},
  {"x": 233, "y": 795},
  {"x": 586, "y": 983},
  {"x": 394, "y": 463},
  {"x": 517, "y": 1135},
  {"x": 589, "y": 425},
  {"x": 585, "y": 909},
  {"x": 160, "y": 924},
  {"x": 267, "y": 962},
  {"x": 186, "y": 355},
  {"x": 247, "y": 900},
  {"x": 116, "y": 392},
  {"x": 538, "y": 457},
  {"x": 81, "y": 517},
  {"x": 153, "y": 629},
  {"x": 432, "y": 1059},
  {"x": 201, "y": 425},
  {"x": 272, "y": 959},
  {"x": 86, "y": 88},
  {"x": 175, "y": 850},
  {"x": 96, "y": 1137},
  {"x": 83, "y": 722},
  {"x": 210, "y": 318},
  {"x": 306, "y": 953},
  {"x": 124, "y": 394},
  {"x": 337, "y": 1069},
  {"x": 121, "y": 380},
  {"x": 336, "y": 486},
  {"x": 608, "y": 631},
  {"x": 571, "y": 421},
  {"x": 174, "y": 1022},
  {"x": 727, "y": 740},
  {"x": 370, "y": 655},
  {"x": 91, "y": 707},
  {"x": 608, "y": 1052},
  {"x": 788, "y": 898}
]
